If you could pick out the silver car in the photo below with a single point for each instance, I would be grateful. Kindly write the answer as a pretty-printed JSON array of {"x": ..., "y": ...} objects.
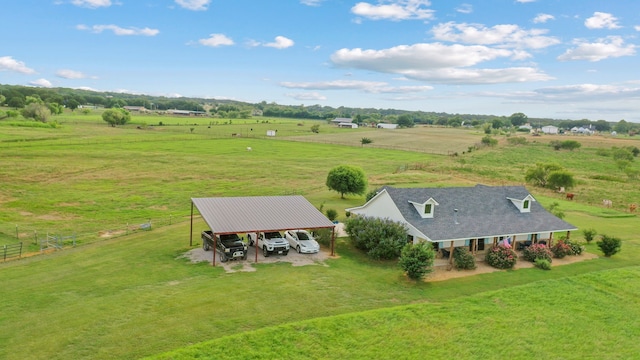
[{"x": 302, "y": 241}]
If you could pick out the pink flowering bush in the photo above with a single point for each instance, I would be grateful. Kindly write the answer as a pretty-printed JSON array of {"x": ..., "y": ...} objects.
[
  {"x": 561, "y": 249},
  {"x": 536, "y": 251},
  {"x": 501, "y": 257}
]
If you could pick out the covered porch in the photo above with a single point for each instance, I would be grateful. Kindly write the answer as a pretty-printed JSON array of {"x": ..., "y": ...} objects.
[{"x": 478, "y": 246}]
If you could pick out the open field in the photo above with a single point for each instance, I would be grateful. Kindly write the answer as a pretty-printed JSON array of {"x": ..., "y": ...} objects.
[{"x": 132, "y": 296}]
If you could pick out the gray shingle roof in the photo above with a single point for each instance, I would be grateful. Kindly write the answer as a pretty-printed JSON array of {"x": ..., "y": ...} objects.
[
  {"x": 260, "y": 213},
  {"x": 483, "y": 212}
]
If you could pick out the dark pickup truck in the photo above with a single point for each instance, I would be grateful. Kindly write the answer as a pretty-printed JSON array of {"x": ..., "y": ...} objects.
[{"x": 230, "y": 246}]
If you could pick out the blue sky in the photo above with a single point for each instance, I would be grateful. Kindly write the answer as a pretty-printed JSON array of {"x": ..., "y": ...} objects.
[{"x": 564, "y": 59}]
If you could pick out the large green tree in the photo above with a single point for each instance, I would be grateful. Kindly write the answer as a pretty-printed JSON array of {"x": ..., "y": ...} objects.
[
  {"x": 347, "y": 179},
  {"x": 518, "y": 119},
  {"x": 116, "y": 116},
  {"x": 405, "y": 120}
]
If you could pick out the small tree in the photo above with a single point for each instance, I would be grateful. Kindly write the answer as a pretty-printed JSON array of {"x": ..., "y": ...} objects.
[
  {"x": 364, "y": 141},
  {"x": 609, "y": 245},
  {"x": 116, "y": 116},
  {"x": 332, "y": 214},
  {"x": 463, "y": 259},
  {"x": 417, "y": 259},
  {"x": 560, "y": 179},
  {"x": 489, "y": 141},
  {"x": 315, "y": 128},
  {"x": 36, "y": 111},
  {"x": 347, "y": 179}
]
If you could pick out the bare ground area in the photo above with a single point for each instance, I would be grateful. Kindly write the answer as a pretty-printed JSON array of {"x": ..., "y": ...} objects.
[
  {"x": 442, "y": 270},
  {"x": 199, "y": 255}
]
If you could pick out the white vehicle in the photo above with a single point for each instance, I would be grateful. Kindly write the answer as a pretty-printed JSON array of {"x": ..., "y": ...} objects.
[
  {"x": 271, "y": 242},
  {"x": 302, "y": 241}
]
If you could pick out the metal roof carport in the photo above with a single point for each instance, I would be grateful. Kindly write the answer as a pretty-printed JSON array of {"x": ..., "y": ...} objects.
[{"x": 254, "y": 214}]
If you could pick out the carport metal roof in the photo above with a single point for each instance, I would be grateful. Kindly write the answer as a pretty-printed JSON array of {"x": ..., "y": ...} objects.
[{"x": 232, "y": 215}]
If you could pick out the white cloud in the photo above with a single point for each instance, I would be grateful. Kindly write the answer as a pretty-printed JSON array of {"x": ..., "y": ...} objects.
[
  {"x": 120, "y": 31},
  {"x": 311, "y": 3},
  {"x": 93, "y": 4},
  {"x": 610, "y": 47},
  {"x": 543, "y": 18},
  {"x": 280, "y": 42},
  {"x": 306, "y": 96},
  {"x": 525, "y": 1},
  {"x": 479, "y": 76},
  {"x": 586, "y": 93},
  {"x": 216, "y": 40},
  {"x": 601, "y": 20},
  {"x": 394, "y": 10},
  {"x": 416, "y": 57},
  {"x": 70, "y": 74},
  {"x": 637, "y": 27},
  {"x": 375, "y": 87},
  {"x": 41, "y": 83},
  {"x": 465, "y": 8},
  {"x": 507, "y": 34},
  {"x": 8, "y": 63},
  {"x": 435, "y": 62},
  {"x": 196, "y": 5}
]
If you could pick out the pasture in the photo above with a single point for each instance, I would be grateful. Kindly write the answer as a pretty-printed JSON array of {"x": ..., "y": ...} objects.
[{"x": 131, "y": 295}]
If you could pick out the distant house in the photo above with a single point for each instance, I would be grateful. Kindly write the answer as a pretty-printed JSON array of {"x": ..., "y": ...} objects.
[
  {"x": 466, "y": 216},
  {"x": 135, "y": 108},
  {"x": 186, "y": 112},
  {"x": 338, "y": 121},
  {"x": 525, "y": 127},
  {"x": 348, "y": 125},
  {"x": 550, "y": 129},
  {"x": 387, "y": 126}
]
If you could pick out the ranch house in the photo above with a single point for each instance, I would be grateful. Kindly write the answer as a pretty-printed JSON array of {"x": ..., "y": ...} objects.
[{"x": 474, "y": 217}]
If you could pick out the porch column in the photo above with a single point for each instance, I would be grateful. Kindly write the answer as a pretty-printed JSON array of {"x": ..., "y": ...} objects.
[
  {"x": 513, "y": 243},
  {"x": 451, "y": 253},
  {"x": 568, "y": 235},
  {"x": 550, "y": 239}
]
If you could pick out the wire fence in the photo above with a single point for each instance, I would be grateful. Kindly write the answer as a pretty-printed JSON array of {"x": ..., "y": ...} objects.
[{"x": 33, "y": 238}]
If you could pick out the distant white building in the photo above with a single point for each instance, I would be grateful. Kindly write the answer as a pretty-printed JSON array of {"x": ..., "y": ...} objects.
[
  {"x": 387, "y": 126},
  {"x": 549, "y": 129},
  {"x": 348, "y": 125}
]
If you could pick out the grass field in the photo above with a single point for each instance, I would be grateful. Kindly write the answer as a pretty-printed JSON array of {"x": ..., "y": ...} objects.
[{"x": 132, "y": 296}]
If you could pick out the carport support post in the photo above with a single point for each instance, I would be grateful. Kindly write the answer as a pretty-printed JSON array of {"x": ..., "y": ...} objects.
[
  {"x": 215, "y": 246},
  {"x": 191, "y": 229},
  {"x": 333, "y": 241}
]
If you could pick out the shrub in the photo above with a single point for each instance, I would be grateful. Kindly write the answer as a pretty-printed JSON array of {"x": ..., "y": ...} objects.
[
  {"x": 542, "y": 264},
  {"x": 501, "y": 257},
  {"x": 379, "y": 238},
  {"x": 463, "y": 259},
  {"x": 537, "y": 251},
  {"x": 332, "y": 214},
  {"x": 589, "y": 234},
  {"x": 576, "y": 247},
  {"x": 561, "y": 249},
  {"x": 417, "y": 260},
  {"x": 323, "y": 236},
  {"x": 609, "y": 245}
]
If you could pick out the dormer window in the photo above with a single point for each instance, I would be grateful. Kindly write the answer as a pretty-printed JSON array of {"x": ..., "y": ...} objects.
[
  {"x": 425, "y": 209},
  {"x": 524, "y": 205}
]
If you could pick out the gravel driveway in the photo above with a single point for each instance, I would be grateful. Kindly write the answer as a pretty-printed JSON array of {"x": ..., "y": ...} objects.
[{"x": 199, "y": 255}]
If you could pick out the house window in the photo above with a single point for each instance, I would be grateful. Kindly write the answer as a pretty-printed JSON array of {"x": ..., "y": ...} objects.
[
  {"x": 427, "y": 208},
  {"x": 526, "y": 204}
]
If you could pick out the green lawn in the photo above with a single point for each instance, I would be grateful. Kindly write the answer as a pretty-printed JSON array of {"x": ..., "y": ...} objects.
[{"x": 131, "y": 296}]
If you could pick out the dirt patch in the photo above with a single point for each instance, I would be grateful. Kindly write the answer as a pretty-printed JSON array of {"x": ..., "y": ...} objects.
[
  {"x": 199, "y": 255},
  {"x": 442, "y": 270}
]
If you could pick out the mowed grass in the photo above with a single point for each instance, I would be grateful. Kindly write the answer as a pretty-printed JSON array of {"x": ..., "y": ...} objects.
[
  {"x": 132, "y": 296},
  {"x": 589, "y": 316}
]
